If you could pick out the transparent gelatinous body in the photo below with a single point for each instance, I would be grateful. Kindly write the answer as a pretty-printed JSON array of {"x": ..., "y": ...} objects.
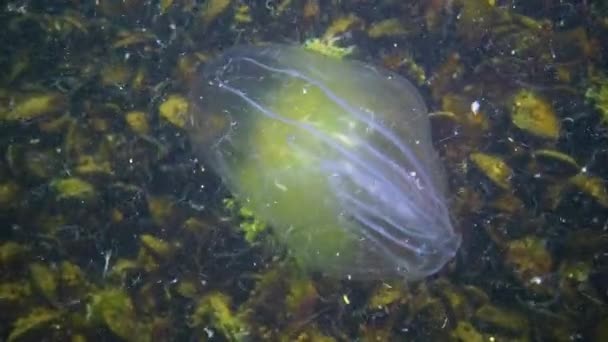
[{"x": 335, "y": 155}]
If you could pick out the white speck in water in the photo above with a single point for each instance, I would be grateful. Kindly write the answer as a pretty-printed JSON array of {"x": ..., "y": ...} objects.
[
  {"x": 475, "y": 107},
  {"x": 209, "y": 332},
  {"x": 280, "y": 186}
]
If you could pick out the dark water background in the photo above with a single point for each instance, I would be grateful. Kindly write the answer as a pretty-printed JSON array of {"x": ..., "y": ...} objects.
[{"x": 111, "y": 229}]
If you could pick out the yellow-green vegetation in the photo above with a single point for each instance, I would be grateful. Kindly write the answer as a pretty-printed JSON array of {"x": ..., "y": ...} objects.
[
  {"x": 12, "y": 252},
  {"x": 73, "y": 278},
  {"x": 212, "y": 9},
  {"x": 215, "y": 309},
  {"x": 556, "y": 161},
  {"x": 465, "y": 331},
  {"x": 534, "y": 115},
  {"x": 13, "y": 295},
  {"x": 159, "y": 248},
  {"x": 242, "y": 14},
  {"x": 530, "y": 260},
  {"x": 73, "y": 187},
  {"x": 93, "y": 164},
  {"x": 328, "y": 47},
  {"x": 385, "y": 295},
  {"x": 593, "y": 186},
  {"x": 114, "y": 309},
  {"x": 250, "y": 225},
  {"x": 493, "y": 167},
  {"x": 175, "y": 110},
  {"x": 387, "y": 27},
  {"x": 500, "y": 320},
  {"x": 123, "y": 268},
  {"x": 197, "y": 226},
  {"x": 161, "y": 209},
  {"x": 597, "y": 94},
  {"x": 9, "y": 194},
  {"x": 44, "y": 280},
  {"x": 33, "y": 106},
  {"x": 188, "y": 289},
  {"x": 38, "y": 163},
  {"x": 301, "y": 292},
  {"x": 35, "y": 326},
  {"x": 138, "y": 122},
  {"x": 575, "y": 272},
  {"x": 116, "y": 74}
]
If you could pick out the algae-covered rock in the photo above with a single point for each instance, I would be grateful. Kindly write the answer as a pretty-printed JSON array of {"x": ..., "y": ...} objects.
[
  {"x": 465, "y": 331},
  {"x": 326, "y": 45},
  {"x": 9, "y": 194},
  {"x": 534, "y": 115},
  {"x": 161, "y": 209},
  {"x": 35, "y": 106},
  {"x": 122, "y": 268},
  {"x": 213, "y": 9},
  {"x": 36, "y": 326},
  {"x": 301, "y": 297},
  {"x": 187, "y": 288},
  {"x": 13, "y": 295},
  {"x": 215, "y": 312},
  {"x": 12, "y": 252},
  {"x": 242, "y": 14},
  {"x": 44, "y": 280},
  {"x": 494, "y": 168},
  {"x": 598, "y": 95},
  {"x": 386, "y": 295},
  {"x": 73, "y": 187},
  {"x": 159, "y": 248},
  {"x": 311, "y": 334},
  {"x": 73, "y": 280},
  {"x": 556, "y": 162},
  {"x": 593, "y": 186},
  {"x": 508, "y": 203},
  {"x": 93, "y": 164},
  {"x": 250, "y": 225},
  {"x": 114, "y": 309},
  {"x": 175, "y": 110},
  {"x": 41, "y": 164},
  {"x": 138, "y": 122},
  {"x": 147, "y": 261},
  {"x": 387, "y": 27},
  {"x": 125, "y": 39},
  {"x": 115, "y": 75},
  {"x": 601, "y": 330},
  {"x": 499, "y": 320},
  {"x": 531, "y": 261},
  {"x": 197, "y": 226}
]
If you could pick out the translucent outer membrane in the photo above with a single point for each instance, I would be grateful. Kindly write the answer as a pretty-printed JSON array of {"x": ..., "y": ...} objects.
[{"x": 336, "y": 155}]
